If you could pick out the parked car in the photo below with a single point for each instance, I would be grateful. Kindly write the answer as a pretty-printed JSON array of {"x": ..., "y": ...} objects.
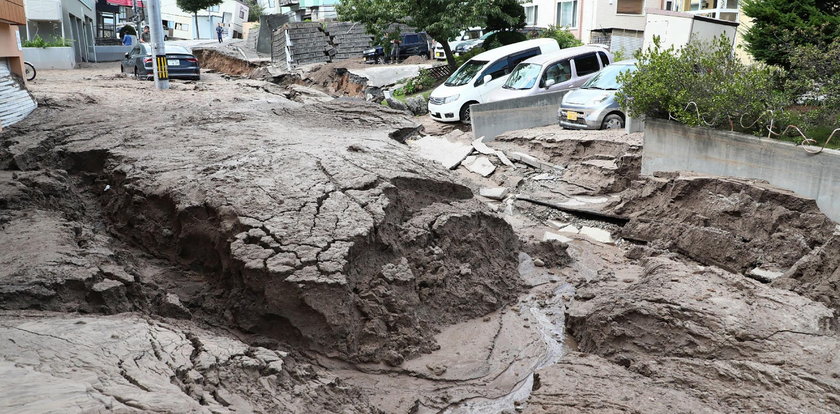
[
  {"x": 480, "y": 76},
  {"x": 593, "y": 106},
  {"x": 567, "y": 69},
  {"x": 465, "y": 35},
  {"x": 412, "y": 44},
  {"x": 180, "y": 62},
  {"x": 468, "y": 45}
]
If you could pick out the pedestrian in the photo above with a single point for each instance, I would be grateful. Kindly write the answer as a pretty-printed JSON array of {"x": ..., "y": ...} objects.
[
  {"x": 395, "y": 50},
  {"x": 219, "y": 31},
  {"x": 146, "y": 37}
]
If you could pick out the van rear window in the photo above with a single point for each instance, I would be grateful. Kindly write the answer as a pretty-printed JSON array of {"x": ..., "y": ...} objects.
[{"x": 586, "y": 64}]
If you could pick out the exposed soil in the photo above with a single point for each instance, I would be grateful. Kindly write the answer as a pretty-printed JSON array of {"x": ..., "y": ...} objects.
[{"x": 242, "y": 245}]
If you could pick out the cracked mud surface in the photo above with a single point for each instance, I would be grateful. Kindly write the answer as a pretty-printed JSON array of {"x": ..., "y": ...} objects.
[{"x": 265, "y": 249}]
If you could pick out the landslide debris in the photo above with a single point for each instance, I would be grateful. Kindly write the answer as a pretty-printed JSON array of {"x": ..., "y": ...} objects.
[
  {"x": 309, "y": 222},
  {"x": 131, "y": 363},
  {"x": 738, "y": 225},
  {"x": 732, "y": 343}
]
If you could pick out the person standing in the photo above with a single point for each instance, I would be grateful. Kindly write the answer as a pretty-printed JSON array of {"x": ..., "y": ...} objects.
[
  {"x": 219, "y": 31},
  {"x": 146, "y": 37}
]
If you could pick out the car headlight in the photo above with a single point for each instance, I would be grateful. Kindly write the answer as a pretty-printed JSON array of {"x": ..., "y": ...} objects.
[
  {"x": 450, "y": 99},
  {"x": 599, "y": 99}
]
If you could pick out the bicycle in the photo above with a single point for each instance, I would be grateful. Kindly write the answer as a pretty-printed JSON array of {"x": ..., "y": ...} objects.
[{"x": 29, "y": 71}]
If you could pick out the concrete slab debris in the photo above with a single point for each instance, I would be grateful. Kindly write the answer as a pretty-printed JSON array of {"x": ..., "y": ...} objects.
[
  {"x": 599, "y": 235},
  {"x": 764, "y": 275},
  {"x": 495, "y": 193},
  {"x": 480, "y": 165},
  {"x": 548, "y": 236},
  {"x": 532, "y": 161},
  {"x": 570, "y": 229},
  {"x": 446, "y": 152}
]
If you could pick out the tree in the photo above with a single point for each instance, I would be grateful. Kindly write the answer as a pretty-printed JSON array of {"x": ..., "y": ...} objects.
[
  {"x": 780, "y": 26},
  {"x": 255, "y": 10},
  {"x": 440, "y": 19},
  {"x": 193, "y": 6}
]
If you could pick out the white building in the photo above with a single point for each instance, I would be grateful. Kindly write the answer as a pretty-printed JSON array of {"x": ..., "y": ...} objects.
[
  {"x": 181, "y": 25},
  {"x": 617, "y": 23}
]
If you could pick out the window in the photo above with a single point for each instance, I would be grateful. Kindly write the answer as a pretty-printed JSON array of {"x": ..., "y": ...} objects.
[
  {"x": 531, "y": 15},
  {"x": 558, "y": 72},
  {"x": 498, "y": 69},
  {"x": 604, "y": 60},
  {"x": 517, "y": 58},
  {"x": 213, "y": 8},
  {"x": 586, "y": 64},
  {"x": 270, "y": 4},
  {"x": 567, "y": 14},
  {"x": 411, "y": 39},
  {"x": 182, "y": 26},
  {"x": 630, "y": 6},
  {"x": 241, "y": 13}
]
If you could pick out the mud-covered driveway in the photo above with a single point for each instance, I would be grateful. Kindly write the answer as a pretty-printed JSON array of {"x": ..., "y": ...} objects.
[{"x": 238, "y": 245}]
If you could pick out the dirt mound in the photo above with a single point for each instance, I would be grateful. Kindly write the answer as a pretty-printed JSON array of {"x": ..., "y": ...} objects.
[
  {"x": 219, "y": 61},
  {"x": 738, "y": 225},
  {"x": 817, "y": 275},
  {"x": 707, "y": 332},
  {"x": 596, "y": 163}
]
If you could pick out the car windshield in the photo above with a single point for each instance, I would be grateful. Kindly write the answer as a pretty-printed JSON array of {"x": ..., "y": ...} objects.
[
  {"x": 607, "y": 78},
  {"x": 524, "y": 76},
  {"x": 465, "y": 73}
]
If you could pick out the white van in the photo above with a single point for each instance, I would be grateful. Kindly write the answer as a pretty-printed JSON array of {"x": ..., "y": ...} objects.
[
  {"x": 553, "y": 72},
  {"x": 474, "y": 80}
]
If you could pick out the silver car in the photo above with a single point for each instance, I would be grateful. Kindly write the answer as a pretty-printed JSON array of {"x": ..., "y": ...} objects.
[
  {"x": 593, "y": 105},
  {"x": 559, "y": 71}
]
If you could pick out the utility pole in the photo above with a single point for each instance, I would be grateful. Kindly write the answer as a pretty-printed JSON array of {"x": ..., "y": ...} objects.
[{"x": 161, "y": 70}]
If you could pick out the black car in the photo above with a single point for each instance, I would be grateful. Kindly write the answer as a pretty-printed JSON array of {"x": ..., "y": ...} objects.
[
  {"x": 180, "y": 62},
  {"x": 413, "y": 44}
]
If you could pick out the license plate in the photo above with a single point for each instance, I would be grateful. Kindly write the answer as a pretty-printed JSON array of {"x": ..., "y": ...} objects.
[
  {"x": 173, "y": 62},
  {"x": 571, "y": 116}
]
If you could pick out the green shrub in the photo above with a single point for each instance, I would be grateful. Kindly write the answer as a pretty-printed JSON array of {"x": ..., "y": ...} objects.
[
  {"x": 499, "y": 39},
  {"x": 563, "y": 37},
  {"x": 814, "y": 78},
  {"x": 38, "y": 41},
  {"x": 414, "y": 85},
  {"x": 703, "y": 84}
]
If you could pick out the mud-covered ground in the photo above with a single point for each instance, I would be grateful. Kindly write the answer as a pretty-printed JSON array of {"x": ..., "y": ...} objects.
[{"x": 238, "y": 245}]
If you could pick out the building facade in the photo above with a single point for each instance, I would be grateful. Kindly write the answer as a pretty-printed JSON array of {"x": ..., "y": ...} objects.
[
  {"x": 63, "y": 19},
  {"x": 15, "y": 101},
  {"x": 231, "y": 14},
  {"x": 619, "y": 24}
]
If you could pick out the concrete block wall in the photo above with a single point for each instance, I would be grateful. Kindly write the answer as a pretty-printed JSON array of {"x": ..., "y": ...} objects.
[
  {"x": 349, "y": 39},
  {"x": 670, "y": 146},
  {"x": 309, "y": 44}
]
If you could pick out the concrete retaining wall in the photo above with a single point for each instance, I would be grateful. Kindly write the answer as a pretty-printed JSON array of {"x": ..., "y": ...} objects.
[
  {"x": 492, "y": 119},
  {"x": 50, "y": 57},
  {"x": 670, "y": 146},
  {"x": 111, "y": 53}
]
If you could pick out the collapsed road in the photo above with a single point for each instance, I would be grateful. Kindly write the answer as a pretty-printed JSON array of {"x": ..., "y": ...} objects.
[{"x": 234, "y": 245}]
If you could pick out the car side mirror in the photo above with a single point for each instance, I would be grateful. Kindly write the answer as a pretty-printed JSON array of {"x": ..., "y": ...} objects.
[
  {"x": 126, "y": 55},
  {"x": 549, "y": 83},
  {"x": 487, "y": 78}
]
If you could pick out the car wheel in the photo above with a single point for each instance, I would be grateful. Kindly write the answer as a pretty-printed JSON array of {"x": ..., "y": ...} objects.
[
  {"x": 379, "y": 60},
  {"x": 613, "y": 121},
  {"x": 466, "y": 112}
]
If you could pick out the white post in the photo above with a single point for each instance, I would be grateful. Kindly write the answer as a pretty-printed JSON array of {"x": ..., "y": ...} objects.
[{"x": 160, "y": 69}]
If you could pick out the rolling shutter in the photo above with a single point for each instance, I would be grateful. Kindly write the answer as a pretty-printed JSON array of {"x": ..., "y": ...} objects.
[{"x": 15, "y": 101}]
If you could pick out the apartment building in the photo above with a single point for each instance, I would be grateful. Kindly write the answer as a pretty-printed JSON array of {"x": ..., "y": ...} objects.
[{"x": 619, "y": 24}]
